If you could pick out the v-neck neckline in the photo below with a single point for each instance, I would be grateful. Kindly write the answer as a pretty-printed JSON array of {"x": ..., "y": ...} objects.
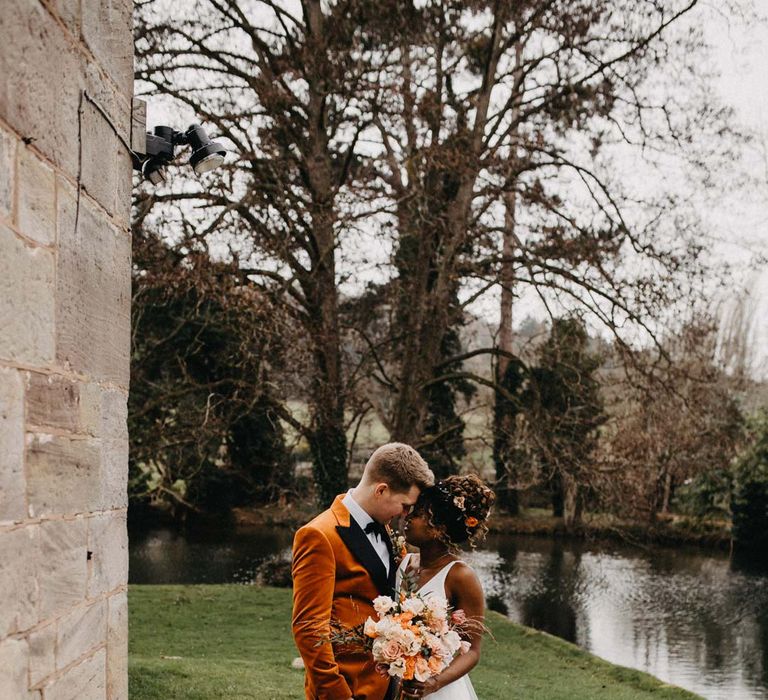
[{"x": 431, "y": 578}]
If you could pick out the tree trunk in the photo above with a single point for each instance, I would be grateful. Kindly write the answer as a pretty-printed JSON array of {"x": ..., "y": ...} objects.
[
  {"x": 504, "y": 427},
  {"x": 667, "y": 493},
  {"x": 329, "y": 462},
  {"x": 571, "y": 503},
  {"x": 423, "y": 316},
  {"x": 327, "y": 393},
  {"x": 556, "y": 494},
  {"x": 432, "y": 225},
  {"x": 328, "y": 439}
]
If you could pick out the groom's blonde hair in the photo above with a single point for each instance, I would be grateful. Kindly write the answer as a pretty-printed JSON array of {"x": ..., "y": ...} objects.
[{"x": 399, "y": 466}]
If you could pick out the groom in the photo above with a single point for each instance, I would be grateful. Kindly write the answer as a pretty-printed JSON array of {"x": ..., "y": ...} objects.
[{"x": 342, "y": 560}]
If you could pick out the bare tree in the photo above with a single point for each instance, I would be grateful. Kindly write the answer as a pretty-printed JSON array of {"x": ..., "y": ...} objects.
[
  {"x": 484, "y": 101},
  {"x": 661, "y": 435},
  {"x": 289, "y": 90},
  {"x": 427, "y": 119}
]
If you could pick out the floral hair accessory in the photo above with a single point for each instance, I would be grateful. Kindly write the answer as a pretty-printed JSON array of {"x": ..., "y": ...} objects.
[{"x": 457, "y": 507}]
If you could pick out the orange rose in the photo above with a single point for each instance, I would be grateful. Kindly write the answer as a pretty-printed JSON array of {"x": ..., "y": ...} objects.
[
  {"x": 410, "y": 668},
  {"x": 435, "y": 664},
  {"x": 471, "y": 521},
  {"x": 403, "y": 619}
]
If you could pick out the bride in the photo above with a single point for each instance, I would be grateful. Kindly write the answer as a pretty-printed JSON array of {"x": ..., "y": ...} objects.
[{"x": 447, "y": 515}]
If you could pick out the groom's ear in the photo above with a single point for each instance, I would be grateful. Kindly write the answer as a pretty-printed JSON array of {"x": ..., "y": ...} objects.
[{"x": 381, "y": 489}]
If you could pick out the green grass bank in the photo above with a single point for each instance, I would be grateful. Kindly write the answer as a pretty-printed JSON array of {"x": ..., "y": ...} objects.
[{"x": 234, "y": 642}]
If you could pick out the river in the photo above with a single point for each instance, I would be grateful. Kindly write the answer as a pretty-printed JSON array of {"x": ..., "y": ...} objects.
[{"x": 690, "y": 616}]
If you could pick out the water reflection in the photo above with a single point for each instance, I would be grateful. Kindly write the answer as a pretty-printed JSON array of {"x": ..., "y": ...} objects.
[
  {"x": 166, "y": 556},
  {"x": 686, "y": 616},
  {"x": 692, "y": 617}
]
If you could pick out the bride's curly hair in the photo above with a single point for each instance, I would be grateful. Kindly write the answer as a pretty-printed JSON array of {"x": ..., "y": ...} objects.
[{"x": 458, "y": 508}]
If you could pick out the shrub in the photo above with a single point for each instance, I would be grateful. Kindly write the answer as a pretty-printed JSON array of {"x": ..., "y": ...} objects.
[{"x": 749, "y": 503}]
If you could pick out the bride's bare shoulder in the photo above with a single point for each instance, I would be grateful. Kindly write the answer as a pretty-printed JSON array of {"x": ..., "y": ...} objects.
[{"x": 462, "y": 574}]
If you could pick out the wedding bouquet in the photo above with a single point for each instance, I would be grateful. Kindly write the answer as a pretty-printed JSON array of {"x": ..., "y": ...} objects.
[{"x": 414, "y": 638}]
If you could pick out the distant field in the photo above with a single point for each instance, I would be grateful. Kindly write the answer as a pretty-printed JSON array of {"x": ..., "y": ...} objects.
[{"x": 372, "y": 433}]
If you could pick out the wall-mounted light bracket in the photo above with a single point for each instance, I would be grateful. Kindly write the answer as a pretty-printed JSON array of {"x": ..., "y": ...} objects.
[{"x": 153, "y": 151}]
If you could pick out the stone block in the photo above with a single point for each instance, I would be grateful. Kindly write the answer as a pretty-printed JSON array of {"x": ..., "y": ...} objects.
[
  {"x": 13, "y": 488},
  {"x": 42, "y": 653},
  {"x": 113, "y": 193},
  {"x": 36, "y": 215},
  {"x": 116, "y": 104},
  {"x": 53, "y": 402},
  {"x": 114, "y": 473},
  {"x": 13, "y": 669},
  {"x": 104, "y": 24},
  {"x": 86, "y": 681},
  {"x": 18, "y": 590},
  {"x": 101, "y": 151},
  {"x": 69, "y": 12},
  {"x": 63, "y": 475},
  {"x": 117, "y": 647},
  {"x": 114, "y": 414},
  {"x": 8, "y": 170},
  {"x": 42, "y": 77},
  {"x": 108, "y": 542},
  {"x": 27, "y": 304},
  {"x": 93, "y": 294},
  {"x": 84, "y": 408},
  {"x": 125, "y": 184},
  {"x": 80, "y": 631},
  {"x": 63, "y": 570}
]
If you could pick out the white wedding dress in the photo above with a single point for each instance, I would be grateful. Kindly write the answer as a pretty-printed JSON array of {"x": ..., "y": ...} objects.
[{"x": 460, "y": 689}]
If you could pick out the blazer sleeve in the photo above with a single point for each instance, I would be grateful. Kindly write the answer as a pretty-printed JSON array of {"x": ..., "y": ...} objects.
[{"x": 314, "y": 575}]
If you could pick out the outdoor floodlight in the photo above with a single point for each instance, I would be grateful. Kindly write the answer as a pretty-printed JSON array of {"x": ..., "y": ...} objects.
[
  {"x": 158, "y": 151},
  {"x": 206, "y": 154}
]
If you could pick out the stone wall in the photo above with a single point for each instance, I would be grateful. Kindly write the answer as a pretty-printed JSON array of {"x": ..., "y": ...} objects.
[{"x": 65, "y": 92}]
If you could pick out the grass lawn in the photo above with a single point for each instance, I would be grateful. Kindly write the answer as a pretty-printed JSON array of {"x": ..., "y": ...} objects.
[{"x": 234, "y": 642}]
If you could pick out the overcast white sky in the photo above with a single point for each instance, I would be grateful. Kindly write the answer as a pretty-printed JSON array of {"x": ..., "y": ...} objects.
[
  {"x": 738, "y": 221},
  {"x": 743, "y": 219}
]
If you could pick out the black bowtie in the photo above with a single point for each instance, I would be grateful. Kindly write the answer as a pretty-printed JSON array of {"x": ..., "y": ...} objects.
[{"x": 376, "y": 528}]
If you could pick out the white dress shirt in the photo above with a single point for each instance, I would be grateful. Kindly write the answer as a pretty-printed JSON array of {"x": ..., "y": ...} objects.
[{"x": 362, "y": 519}]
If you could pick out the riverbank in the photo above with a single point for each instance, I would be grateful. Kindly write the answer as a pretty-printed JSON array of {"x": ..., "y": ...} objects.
[
  {"x": 668, "y": 530},
  {"x": 234, "y": 642}
]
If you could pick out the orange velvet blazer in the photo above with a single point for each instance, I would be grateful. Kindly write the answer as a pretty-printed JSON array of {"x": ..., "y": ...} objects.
[{"x": 336, "y": 575}]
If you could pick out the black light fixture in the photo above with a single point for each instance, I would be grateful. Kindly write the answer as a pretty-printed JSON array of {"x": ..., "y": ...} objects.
[
  {"x": 206, "y": 155},
  {"x": 159, "y": 151}
]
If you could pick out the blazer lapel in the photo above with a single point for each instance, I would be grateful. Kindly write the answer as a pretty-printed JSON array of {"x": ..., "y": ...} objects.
[{"x": 358, "y": 543}]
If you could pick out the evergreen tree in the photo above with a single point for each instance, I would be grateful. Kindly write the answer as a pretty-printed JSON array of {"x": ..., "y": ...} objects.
[
  {"x": 204, "y": 434},
  {"x": 569, "y": 413},
  {"x": 749, "y": 504}
]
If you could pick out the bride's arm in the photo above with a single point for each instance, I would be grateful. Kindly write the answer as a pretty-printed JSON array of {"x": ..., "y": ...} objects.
[{"x": 465, "y": 593}]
